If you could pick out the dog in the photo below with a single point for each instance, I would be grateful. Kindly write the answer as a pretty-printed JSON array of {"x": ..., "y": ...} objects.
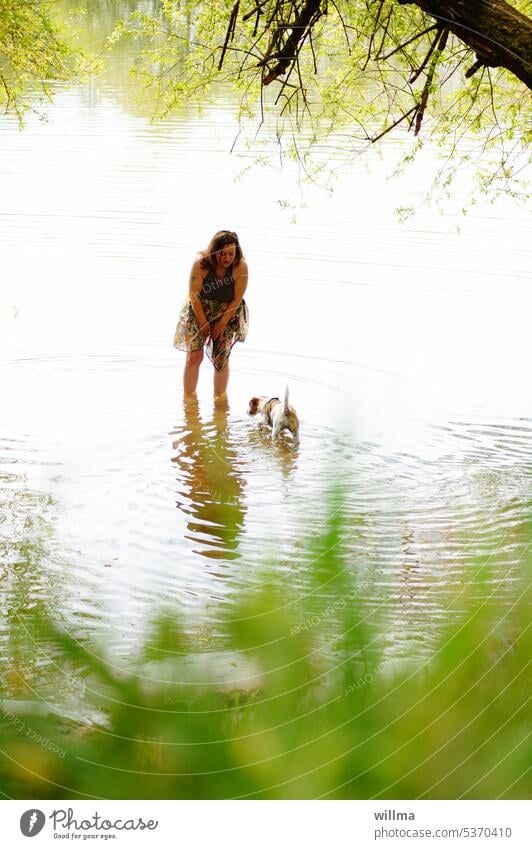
[{"x": 277, "y": 414}]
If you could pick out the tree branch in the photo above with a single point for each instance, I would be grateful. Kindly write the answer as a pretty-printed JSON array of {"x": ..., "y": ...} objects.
[
  {"x": 308, "y": 16},
  {"x": 388, "y": 129},
  {"x": 230, "y": 33},
  {"x": 439, "y": 48},
  {"x": 500, "y": 35},
  {"x": 424, "y": 63},
  {"x": 373, "y": 33},
  {"x": 406, "y": 43}
]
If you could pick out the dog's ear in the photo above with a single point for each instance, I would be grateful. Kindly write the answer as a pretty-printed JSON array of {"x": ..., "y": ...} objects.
[{"x": 253, "y": 406}]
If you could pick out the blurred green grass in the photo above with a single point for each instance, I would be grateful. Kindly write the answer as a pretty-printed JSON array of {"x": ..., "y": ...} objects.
[{"x": 293, "y": 698}]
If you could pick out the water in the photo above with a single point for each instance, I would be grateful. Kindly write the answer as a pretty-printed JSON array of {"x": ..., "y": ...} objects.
[{"x": 406, "y": 349}]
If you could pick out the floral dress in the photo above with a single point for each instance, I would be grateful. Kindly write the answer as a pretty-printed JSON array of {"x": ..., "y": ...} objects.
[{"x": 214, "y": 296}]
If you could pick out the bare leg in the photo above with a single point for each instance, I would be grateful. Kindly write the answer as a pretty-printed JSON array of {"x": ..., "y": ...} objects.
[
  {"x": 221, "y": 379},
  {"x": 191, "y": 371}
]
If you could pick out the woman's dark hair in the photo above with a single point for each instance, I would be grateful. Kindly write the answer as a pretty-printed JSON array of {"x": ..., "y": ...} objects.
[{"x": 219, "y": 241}]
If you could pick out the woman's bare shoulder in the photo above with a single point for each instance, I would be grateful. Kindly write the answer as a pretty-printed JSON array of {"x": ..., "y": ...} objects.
[
  {"x": 241, "y": 268},
  {"x": 197, "y": 274},
  {"x": 197, "y": 267}
]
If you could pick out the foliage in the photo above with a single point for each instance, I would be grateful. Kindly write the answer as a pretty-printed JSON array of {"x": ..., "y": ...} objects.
[
  {"x": 334, "y": 84},
  {"x": 293, "y": 697},
  {"x": 324, "y": 79},
  {"x": 35, "y": 51}
]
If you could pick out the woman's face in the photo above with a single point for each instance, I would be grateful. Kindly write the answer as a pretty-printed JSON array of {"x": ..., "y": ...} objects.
[{"x": 226, "y": 256}]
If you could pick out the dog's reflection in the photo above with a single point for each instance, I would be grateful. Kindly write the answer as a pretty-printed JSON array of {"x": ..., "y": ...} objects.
[
  {"x": 283, "y": 453},
  {"x": 210, "y": 487}
]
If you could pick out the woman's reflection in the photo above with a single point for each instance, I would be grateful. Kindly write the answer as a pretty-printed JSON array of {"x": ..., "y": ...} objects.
[{"x": 210, "y": 487}]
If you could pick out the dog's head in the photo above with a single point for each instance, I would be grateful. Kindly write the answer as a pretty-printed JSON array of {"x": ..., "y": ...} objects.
[{"x": 253, "y": 406}]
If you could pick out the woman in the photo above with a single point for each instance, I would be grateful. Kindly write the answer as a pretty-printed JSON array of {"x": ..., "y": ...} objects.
[{"x": 215, "y": 313}]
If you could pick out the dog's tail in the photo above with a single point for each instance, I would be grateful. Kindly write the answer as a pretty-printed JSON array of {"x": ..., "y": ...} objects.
[{"x": 286, "y": 400}]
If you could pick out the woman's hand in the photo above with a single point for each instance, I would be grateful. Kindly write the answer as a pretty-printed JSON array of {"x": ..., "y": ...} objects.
[
  {"x": 218, "y": 328},
  {"x": 205, "y": 331}
]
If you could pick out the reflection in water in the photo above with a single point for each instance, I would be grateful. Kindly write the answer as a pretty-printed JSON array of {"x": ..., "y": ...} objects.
[
  {"x": 281, "y": 455},
  {"x": 210, "y": 485},
  {"x": 119, "y": 56},
  {"x": 26, "y": 585}
]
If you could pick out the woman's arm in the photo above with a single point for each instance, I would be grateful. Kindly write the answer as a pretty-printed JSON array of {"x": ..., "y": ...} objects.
[
  {"x": 194, "y": 288},
  {"x": 240, "y": 278}
]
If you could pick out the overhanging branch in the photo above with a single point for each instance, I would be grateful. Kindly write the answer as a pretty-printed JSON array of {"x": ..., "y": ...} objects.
[{"x": 500, "y": 35}]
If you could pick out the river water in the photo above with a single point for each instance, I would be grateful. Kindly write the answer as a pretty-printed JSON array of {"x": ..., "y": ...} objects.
[{"x": 406, "y": 348}]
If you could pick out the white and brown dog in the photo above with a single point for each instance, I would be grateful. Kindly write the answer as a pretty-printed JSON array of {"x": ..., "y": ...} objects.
[{"x": 278, "y": 415}]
